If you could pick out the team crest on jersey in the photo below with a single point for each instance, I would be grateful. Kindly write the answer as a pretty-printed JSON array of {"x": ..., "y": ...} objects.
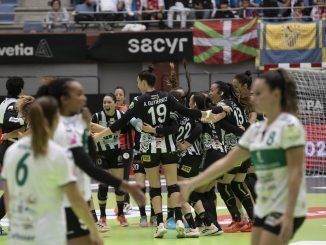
[{"x": 146, "y": 158}]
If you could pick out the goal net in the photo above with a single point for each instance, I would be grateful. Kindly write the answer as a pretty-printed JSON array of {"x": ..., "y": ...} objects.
[{"x": 311, "y": 90}]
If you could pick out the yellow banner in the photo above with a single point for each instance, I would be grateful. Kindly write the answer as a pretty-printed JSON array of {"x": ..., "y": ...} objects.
[{"x": 290, "y": 36}]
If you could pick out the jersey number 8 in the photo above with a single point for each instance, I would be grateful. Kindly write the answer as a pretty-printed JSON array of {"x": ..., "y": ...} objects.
[{"x": 159, "y": 113}]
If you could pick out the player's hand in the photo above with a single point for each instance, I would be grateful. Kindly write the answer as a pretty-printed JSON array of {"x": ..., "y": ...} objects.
[
  {"x": 242, "y": 127},
  {"x": 286, "y": 232},
  {"x": 96, "y": 239},
  {"x": 148, "y": 129},
  {"x": 227, "y": 109},
  {"x": 183, "y": 145},
  {"x": 185, "y": 190},
  {"x": 4, "y": 137},
  {"x": 135, "y": 191}
]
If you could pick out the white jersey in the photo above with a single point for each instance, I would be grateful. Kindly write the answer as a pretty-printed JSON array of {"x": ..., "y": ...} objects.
[
  {"x": 35, "y": 191},
  {"x": 73, "y": 132},
  {"x": 267, "y": 146}
]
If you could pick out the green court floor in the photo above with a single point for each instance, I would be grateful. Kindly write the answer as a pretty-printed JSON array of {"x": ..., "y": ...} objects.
[{"x": 314, "y": 229}]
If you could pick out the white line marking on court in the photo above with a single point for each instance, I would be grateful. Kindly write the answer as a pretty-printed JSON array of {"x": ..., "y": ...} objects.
[
  {"x": 319, "y": 187},
  {"x": 309, "y": 243}
]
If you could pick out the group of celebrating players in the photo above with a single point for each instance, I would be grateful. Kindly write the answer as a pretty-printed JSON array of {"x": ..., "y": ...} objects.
[{"x": 184, "y": 136}]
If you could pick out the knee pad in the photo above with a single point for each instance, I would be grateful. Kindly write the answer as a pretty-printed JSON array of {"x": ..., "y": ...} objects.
[
  {"x": 154, "y": 192},
  {"x": 194, "y": 198},
  {"x": 172, "y": 189},
  {"x": 240, "y": 191},
  {"x": 118, "y": 192},
  {"x": 102, "y": 193}
]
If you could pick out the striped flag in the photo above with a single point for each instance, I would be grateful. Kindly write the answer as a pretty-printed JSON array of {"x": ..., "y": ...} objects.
[{"x": 225, "y": 41}]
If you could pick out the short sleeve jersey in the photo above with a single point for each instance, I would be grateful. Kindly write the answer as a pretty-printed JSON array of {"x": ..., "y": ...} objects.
[
  {"x": 73, "y": 132},
  {"x": 35, "y": 192},
  {"x": 267, "y": 146}
]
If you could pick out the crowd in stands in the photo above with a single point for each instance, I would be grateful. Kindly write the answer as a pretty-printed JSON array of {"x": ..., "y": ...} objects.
[
  {"x": 165, "y": 12},
  {"x": 182, "y": 10}
]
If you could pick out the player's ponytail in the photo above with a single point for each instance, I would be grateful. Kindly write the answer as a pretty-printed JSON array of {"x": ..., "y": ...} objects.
[
  {"x": 148, "y": 76},
  {"x": 289, "y": 100},
  {"x": 42, "y": 114},
  {"x": 280, "y": 79}
]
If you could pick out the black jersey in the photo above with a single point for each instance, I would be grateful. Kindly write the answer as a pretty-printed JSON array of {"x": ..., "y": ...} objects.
[
  {"x": 231, "y": 132},
  {"x": 9, "y": 118},
  {"x": 190, "y": 130},
  {"x": 154, "y": 108},
  {"x": 111, "y": 142},
  {"x": 212, "y": 134}
]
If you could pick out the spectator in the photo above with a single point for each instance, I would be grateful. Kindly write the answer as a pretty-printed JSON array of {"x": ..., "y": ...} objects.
[
  {"x": 181, "y": 9},
  {"x": 232, "y": 3},
  {"x": 153, "y": 5},
  {"x": 225, "y": 11},
  {"x": 246, "y": 10},
  {"x": 203, "y": 7},
  {"x": 85, "y": 11},
  {"x": 297, "y": 11},
  {"x": 57, "y": 19},
  {"x": 133, "y": 8},
  {"x": 318, "y": 11},
  {"x": 111, "y": 9},
  {"x": 270, "y": 14}
]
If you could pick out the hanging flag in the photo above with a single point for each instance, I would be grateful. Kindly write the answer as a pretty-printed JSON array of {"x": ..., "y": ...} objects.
[
  {"x": 225, "y": 41},
  {"x": 291, "y": 44}
]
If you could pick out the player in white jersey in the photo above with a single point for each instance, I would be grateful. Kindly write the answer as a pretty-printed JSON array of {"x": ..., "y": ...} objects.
[
  {"x": 276, "y": 148},
  {"x": 73, "y": 134},
  {"x": 37, "y": 174}
]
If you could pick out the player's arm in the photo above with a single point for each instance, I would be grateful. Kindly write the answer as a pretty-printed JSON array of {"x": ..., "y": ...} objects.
[
  {"x": 118, "y": 125},
  {"x": 196, "y": 131},
  {"x": 84, "y": 162},
  {"x": 80, "y": 207},
  {"x": 13, "y": 134},
  {"x": 218, "y": 168},
  {"x": 6, "y": 197},
  {"x": 230, "y": 128}
]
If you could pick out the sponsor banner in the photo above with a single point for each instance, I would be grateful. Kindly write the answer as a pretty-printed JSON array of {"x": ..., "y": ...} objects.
[
  {"x": 316, "y": 147},
  {"x": 291, "y": 42},
  {"x": 42, "y": 48},
  {"x": 143, "y": 46}
]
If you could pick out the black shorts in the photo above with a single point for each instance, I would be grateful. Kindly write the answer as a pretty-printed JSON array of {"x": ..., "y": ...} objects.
[
  {"x": 75, "y": 228},
  {"x": 189, "y": 166},
  {"x": 268, "y": 223},
  {"x": 242, "y": 169},
  {"x": 110, "y": 159},
  {"x": 154, "y": 160},
  {"x": 211, "y": 156},
  {"x": 127, "y": 156},
  {"x": 4, "y": 145},
  {"x": 137, "y": 166}
]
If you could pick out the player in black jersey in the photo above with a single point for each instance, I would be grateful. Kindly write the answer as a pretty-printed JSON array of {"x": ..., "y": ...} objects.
[
  {"x": 231, "y": 184},
  {"x": 110, "y": 157},
  {"x": 242, "y": 84},
  {"x": 10, "y": 124},
  {"x": 190, "y": 157},
  {"x": 154, "y": 108}
]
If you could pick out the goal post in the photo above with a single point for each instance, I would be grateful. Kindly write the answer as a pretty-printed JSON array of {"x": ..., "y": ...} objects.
[{"x": 311, "y": 91}]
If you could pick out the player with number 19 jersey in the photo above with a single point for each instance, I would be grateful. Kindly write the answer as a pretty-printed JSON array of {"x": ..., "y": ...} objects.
[
  {"x": 154, "y": 108},
  {"x": 36, "y": 195}
]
